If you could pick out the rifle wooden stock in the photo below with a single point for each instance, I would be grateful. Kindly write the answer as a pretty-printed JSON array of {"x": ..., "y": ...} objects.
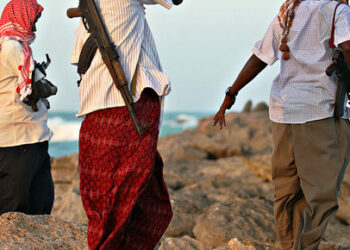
[
  {"x": 34, "y": 108},
  {"x": 74, "y": 12}
]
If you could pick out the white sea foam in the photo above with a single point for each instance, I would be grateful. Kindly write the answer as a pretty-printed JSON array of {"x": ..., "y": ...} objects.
[
  {"x": 184, "y": 121},
  {"x": 63, "y": 130}
]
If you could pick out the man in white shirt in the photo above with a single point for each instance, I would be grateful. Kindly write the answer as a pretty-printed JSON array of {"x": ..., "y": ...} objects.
[
  {"x": 25, "y": 171},
  {"x": 121, "y": 181},
  {"x": 311, "y": 146}
]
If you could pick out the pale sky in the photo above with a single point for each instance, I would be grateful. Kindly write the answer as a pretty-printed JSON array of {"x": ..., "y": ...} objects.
[{"x": 202, "y": 45}]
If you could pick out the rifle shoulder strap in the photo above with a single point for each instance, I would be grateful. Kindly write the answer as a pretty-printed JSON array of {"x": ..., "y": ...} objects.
[
  {"x": 331, "y": 40},
  {"x": 85, "y": 58},
  {"x": 86, "y": 55}
]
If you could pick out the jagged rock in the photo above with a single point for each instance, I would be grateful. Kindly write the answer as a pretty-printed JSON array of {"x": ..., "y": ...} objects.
[
  {"x": 236, "y": 244},
  {"x": 260, "y": 165},
  {"x": 344, "y": 200},
  {"x": 183, "y": 243},
  {"x": 248, "y": 106},
  {"x": 262, "y": 106},
  {"x": 20, "y": 231},
  {"x": 242, "y": 219},
  {"x": 337, "y": 235},
  {"x": 244, "y": 135},
  {"x": 205, "y": 169},
  {"x": 65, "y": 169},
  {"x": 67, "y": 204}
]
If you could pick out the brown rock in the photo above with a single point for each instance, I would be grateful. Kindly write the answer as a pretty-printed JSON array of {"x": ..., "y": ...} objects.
[
  {"x": 344, "y": 200},
  {"x": 183, "y": 243},
  {"x": 260, "y": 165},
  {"x": 67, "y": 204},
  {"x": 65, "y": 169},
  {"x": 248, "y": 106},
  {"x": 20, "y": 231},
  {"x": 236, "y": 244},
  {"x": 245, "y": 220},
  {"x": 262, "y": 106}
]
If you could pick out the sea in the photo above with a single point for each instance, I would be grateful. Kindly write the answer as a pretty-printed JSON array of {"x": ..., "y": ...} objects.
[{"x": 65, "y": 127}]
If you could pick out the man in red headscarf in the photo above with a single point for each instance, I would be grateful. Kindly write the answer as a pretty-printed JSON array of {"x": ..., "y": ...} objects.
[
  {"x": 311, "y": 141},
  {"x": 25, "y": 171}
]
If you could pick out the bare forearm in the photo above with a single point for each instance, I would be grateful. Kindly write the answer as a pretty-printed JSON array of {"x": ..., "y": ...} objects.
[{"x": 250, "y": 70}]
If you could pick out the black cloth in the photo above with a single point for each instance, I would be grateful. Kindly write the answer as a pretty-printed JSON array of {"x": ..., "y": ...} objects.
[{"x": 25, "y": 179}]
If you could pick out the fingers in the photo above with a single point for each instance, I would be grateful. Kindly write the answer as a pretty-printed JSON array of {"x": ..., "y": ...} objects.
[
  {"x": 219, "y": 118},
  {"x": 215, "y": 121}
]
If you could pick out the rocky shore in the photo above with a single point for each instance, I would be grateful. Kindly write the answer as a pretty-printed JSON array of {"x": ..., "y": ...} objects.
[{"x": 220, "y": 188}]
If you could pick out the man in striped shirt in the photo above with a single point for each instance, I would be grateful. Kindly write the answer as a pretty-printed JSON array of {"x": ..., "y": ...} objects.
[
  {"x": 121, "y": 180},
  {"x": 311, "y": 146}
]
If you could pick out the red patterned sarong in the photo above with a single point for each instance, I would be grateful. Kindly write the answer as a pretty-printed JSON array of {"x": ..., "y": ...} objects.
[{"x": 121, "y": 177}]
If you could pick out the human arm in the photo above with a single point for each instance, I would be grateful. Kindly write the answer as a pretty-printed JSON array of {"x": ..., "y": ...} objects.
[{"x": 250, "y": 70}]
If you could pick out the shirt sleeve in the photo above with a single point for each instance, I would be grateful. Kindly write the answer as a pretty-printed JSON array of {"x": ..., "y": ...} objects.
[
  {"x": 13, "y": 56},
  {"x": 342, "y": 25},
  {"x": 267, "y": 49}
]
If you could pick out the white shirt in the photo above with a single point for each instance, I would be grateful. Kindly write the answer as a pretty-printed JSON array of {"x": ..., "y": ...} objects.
[
  {"x": 19, "y": 124},
  {"x": 302, "y": 91},
  {"x": 128, "y": 28}
]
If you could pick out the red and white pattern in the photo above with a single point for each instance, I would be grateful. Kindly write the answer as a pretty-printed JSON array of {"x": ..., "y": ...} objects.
[
  {"x": 121, "y": 179},
  {"x": 16, "y": 21},
  {"x": 284, "y": 11}
]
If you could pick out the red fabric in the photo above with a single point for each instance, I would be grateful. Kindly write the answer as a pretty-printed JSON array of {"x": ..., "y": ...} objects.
[
  {"x": 121, "y": 180},
  {"x": 16, "y": 21}
]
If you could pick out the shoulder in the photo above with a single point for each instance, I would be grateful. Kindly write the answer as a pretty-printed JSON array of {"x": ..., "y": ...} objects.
[
  {"x": 343, "y": 9},
  {"x": 10, "y": 46}
]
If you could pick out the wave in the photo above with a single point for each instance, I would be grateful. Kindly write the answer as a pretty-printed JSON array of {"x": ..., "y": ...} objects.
[
  {"x": 183, "y": 121},
  {"x": 63, "y": 130}
]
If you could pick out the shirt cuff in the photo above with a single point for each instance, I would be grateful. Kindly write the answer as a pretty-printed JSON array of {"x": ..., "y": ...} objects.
[{"x": 263, "y": 57}]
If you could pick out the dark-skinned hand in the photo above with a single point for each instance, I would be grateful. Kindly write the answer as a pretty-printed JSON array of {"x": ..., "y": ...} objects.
[{"x": 220, "y": 115}]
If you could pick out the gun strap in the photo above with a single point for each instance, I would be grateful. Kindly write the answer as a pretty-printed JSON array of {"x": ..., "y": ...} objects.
[
  {"x": 86, "y": 55},
  {"x": 85, "y": 58},
  {"x": 331, "y": 40}
]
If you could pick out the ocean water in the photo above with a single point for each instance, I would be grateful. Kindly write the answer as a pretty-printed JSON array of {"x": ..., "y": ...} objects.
[{"x": 66, "y": 128}]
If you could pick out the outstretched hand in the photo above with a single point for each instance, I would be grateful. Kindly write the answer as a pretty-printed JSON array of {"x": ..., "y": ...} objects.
[{"x": 220, "y": 115}]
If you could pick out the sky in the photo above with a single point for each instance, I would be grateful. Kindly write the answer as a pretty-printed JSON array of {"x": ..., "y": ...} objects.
[{"x": 202, "y": 44}]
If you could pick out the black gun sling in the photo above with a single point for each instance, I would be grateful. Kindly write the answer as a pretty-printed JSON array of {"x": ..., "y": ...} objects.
[{"x": 86, "y": 56}]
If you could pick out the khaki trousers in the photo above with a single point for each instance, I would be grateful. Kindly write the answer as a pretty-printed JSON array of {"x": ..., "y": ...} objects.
[{"x": 308, "y": 166}]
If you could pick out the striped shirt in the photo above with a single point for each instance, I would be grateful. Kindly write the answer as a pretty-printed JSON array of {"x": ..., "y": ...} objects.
[
  {"x": 302, "y": 91},
  {"x": 128, "y": 28}
]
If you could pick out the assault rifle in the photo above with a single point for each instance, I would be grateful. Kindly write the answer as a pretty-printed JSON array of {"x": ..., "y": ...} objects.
[
  {"x": 41, "y": 87},
  {"x": 94, "y": 24},
  {"x": 341, "y": 68}
]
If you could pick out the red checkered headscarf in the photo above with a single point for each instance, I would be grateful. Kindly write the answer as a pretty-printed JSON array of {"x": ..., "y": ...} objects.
[{"x": 16, "y": 22}]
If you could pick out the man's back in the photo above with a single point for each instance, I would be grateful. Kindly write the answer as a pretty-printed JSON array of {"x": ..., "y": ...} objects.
[
  {"x": 302, "y": 91},
  {"x": 18, "y": 123}
]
